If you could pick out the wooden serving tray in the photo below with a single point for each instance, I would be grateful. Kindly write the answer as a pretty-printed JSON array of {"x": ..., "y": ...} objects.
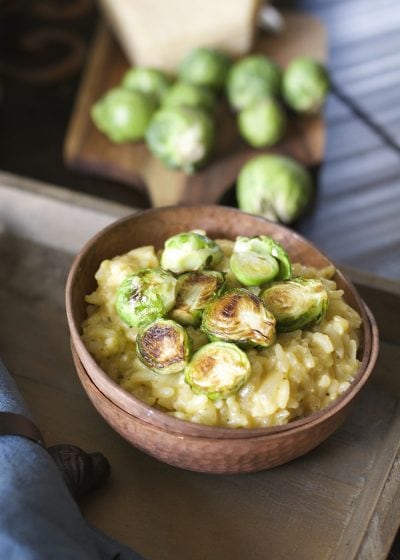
[
  {"x": 86, "y": 149},
  {"x": 340, "y": 501}
]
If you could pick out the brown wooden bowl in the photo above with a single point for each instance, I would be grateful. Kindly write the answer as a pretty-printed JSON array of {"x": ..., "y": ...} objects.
[{"x": 178, "y": 442}]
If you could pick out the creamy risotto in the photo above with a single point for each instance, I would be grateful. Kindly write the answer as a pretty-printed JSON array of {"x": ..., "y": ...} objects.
[{"x": 302, "y": 372}]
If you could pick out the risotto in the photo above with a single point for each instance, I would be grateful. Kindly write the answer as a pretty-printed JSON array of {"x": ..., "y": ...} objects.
[{"x": 300, "y": 373}]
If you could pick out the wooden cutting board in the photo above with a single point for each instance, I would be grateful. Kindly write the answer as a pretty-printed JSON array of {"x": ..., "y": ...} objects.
[{"x": 87, "y": 150}]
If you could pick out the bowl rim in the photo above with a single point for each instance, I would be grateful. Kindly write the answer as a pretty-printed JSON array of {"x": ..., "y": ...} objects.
[{"x": 134, "y": 406}]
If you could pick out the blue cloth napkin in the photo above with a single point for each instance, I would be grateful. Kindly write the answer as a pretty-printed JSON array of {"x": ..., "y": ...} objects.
[{"x": 39, "y": 520}]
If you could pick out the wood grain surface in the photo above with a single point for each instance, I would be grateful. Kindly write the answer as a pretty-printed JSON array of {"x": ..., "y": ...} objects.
[
  {"x": 338, "y": 502},
  {"x": 86, "y": 149}
]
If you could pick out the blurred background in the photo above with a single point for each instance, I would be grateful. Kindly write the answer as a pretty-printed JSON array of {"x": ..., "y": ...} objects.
[{"x": 45, "y": 51}]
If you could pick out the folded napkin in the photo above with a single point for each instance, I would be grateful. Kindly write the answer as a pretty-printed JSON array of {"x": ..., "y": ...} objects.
[{"x": 39, "y": 519}]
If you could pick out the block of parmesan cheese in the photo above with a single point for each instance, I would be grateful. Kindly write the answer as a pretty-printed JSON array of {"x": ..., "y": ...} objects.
[{"x": 160, "y": 33}]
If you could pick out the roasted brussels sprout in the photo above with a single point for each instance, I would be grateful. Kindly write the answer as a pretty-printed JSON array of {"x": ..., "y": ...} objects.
[
  {"x": 262, "y": 123},
  {"x": 182, "y": 137},
  {"x": 239, "y": 316},
  {"x": 276, "y": 187},
  {"x": 217, "y": 370},
  {"x": 150, "y": 81},
  {"x": 296, "y": 303},
  {"x": 252, "y": 78},
  {"x": 194, "y": 291},
  {"x": 205, "y": 67},
  {"x": 256, "y": 260},
  {"x": 189, "y": 251},
  {"x": 123, "y": 115},
  {"x": 145, "y": 296},
  {"x": 305, "y": 85},
  {"x": 189, "y": 95},
  {"x": 163, "y": 346}
]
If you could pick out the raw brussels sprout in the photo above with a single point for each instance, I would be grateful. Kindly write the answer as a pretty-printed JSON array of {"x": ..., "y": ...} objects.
[
  {"x": 296, "y": 303},
  {"x": 123, "y": 115},
  {"x": 164, "y": 347},
  {"x": 239, "y": 316},
  {"x": 252, "y": 78},
  {"x": 149, "y": 81},
  {"x": 217, "y": 370},
  {"x": 262, "y": 123},
  {"x": 194, "y": 291},
  {"x": 182, "y": 137},
  {"x": 256, "y": 260},
  {"x": 276, "y": 187},
  {"x": 145, "y": 296},
  {"x": 189, "y": 251},
  {"x": 189, "y": 95},
  {"x": 305, "y": 85},
  {"x": 205, "y": 67}
]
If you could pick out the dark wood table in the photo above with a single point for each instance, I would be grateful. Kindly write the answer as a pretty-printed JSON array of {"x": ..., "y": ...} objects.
[{"x": 356, "y": 216}]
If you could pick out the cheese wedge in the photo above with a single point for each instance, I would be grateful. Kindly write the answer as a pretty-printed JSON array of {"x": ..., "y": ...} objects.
[{"x": 159, "y": 33}]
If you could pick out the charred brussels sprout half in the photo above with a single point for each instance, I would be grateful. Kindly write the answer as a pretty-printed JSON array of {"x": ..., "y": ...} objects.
[
  {"x": 181, "y": 137},
  {"x": 205, "y": 67},
  {"x": 164, "y": 347},
  {"x": 123, "y": 115},
  {"x": 189, "y": 251},
  {"x": 262, "y": 123},
  {"x": 239, "y": 316},
  {"x": 256, "y": 260},
  {"x": 252, "y": 78},
  {"x": 149, "y": 81},
  {"x": 189, "y": 95},
  {"x": 276, "y": 187},
  {"x": 194, "y": 291},
  {"x": 296, "y": 303},
  {"x": 305, "y": 85},
  {"x": 217, "y": 370},
  {"x": 144, "y": 296}
]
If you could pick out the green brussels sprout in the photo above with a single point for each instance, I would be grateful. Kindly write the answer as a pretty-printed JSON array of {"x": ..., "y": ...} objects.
[
  {"x": 182, "y": 137},
  {"x": 164, "y": 347},
  {"x": 256, "y": 260},
  {"x": 239, "y": 316},
  {"x": 122, "y": 115},
  {"x": 305, "y": 85},
  {"x": 296, "y": 303},
  {"x": 252, "y": 78},
  {"x": 262, "y": 123},
  {"x": 189, "y": 95},
  {"x": 194, "y": 291},
  {"x": 145, "y": 296},
  {"x": 205, "y": 67},
  {"x": 273, "y": 186},
  {"x": 217, "y": 370},
  {"x": 189, "y": 251},
  {"x": 149, "y": 81}
]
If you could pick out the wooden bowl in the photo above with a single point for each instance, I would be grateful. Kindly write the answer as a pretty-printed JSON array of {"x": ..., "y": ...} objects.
[{"x": 178, "y": 442}]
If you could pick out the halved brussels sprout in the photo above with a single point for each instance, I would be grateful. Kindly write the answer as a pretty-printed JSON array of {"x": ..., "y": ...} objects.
[
  {"x": 217, "y": 370},
  {"x": 256, "y": 260},
  {"x": 296, "y": 303},
  {"x": 194, "y": 290},
  {"x": 189, "y": 251},
  {"x": 144, "y": 296},
  {"x": 163, "y": 346},
  {"x": 239, "y": 316}
]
